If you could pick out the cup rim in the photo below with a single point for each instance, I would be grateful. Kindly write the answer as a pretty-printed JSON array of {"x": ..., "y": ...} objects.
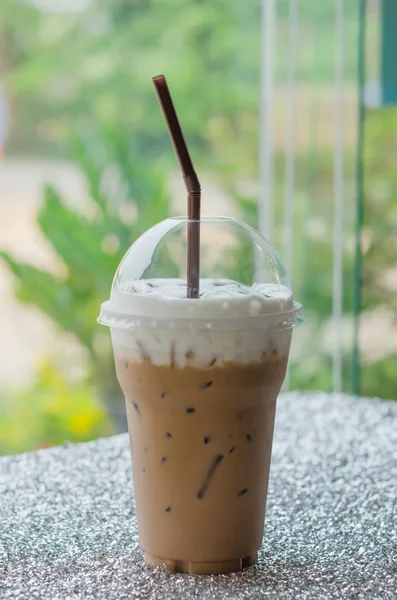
[{"x": 277, "y": 320}]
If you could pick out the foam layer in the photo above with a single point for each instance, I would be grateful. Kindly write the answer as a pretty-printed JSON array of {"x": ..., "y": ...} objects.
[
  {"x": 229, "y": 321},
  {"x": 219, "y": 299}
]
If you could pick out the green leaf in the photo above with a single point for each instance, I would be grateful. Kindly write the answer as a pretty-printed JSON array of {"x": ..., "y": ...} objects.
[
  {"x": 75, "y": 239},
  {"x": 92, "y": 159},
  {"x": 54, "y": 297}
]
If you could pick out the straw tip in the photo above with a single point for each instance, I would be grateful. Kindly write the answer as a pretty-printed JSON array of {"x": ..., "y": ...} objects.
[{"x": 158, "y": 78}]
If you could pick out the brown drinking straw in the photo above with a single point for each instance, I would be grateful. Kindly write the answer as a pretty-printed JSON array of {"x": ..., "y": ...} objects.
[{"x": 191, "y": 181}]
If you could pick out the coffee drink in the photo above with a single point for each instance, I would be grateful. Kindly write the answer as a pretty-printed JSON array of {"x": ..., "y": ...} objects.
[{"x": 201, "y": 390}]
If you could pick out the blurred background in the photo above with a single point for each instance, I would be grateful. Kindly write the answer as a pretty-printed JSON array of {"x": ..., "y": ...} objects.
[{"x": 290, "y": 111}]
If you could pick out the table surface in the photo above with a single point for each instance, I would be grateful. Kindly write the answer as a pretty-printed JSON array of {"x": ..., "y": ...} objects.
[{"x": 68, "y": 527}]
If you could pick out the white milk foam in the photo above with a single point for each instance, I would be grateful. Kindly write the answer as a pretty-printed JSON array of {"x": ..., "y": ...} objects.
[{"x": 229, "y": 321}]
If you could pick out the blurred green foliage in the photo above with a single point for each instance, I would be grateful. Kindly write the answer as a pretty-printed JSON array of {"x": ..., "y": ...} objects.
[
  {"x": 51, "y": 411},
  {"x": 79, "y": 84},
  {"x": 380, "y": 211},
  {"x": 90, "y": 246},
  {"x": 379, "y": 282},
  {"x": 94, "y": 65}
]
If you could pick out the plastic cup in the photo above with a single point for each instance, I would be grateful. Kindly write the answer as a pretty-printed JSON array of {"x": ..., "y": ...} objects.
[{"x": 201, "y": 380}]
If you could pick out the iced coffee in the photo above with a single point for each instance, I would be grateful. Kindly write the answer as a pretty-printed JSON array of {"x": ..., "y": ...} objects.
[
  {"x": 200, "y": 379},
  {"x": 201, "y": 406}
]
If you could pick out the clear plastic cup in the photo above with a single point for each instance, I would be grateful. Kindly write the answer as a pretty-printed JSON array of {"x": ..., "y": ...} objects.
[{"x": 201, "y": 379}]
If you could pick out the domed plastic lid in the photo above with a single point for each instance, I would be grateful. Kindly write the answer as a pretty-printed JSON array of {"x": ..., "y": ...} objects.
[{"x": 241, "y": 277}]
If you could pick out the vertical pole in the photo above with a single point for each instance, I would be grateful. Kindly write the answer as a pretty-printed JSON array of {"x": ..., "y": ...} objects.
[
  {"x": 266, "y": 167},
  {"x": 290, "y": 147},
  {"x": 290, "y": 144},
  {"x": 388, "y": 51},
  {"x": 337, "y": 288},
  {"x": 360, "y": 196}
]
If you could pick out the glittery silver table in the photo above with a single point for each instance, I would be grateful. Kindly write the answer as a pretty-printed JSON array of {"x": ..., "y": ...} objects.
[{"x": 68, "y": 530}]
